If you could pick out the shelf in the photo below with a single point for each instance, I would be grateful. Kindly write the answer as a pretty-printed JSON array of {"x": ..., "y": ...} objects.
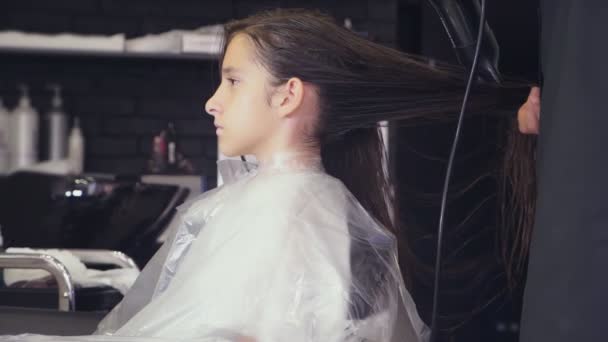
[{"x": 107, "y": 54}]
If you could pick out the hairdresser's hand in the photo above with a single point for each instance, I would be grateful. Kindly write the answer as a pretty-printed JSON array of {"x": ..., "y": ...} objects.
[{"x": 528, "y": 116}]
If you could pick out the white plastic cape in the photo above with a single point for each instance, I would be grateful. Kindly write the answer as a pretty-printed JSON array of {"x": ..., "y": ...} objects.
[{"x": 283, "y": 252}]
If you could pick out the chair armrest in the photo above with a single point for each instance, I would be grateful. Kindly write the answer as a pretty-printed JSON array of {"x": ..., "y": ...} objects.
[
  {"x": 67, "y": 301},
  {"x": 104, "y": 256}
]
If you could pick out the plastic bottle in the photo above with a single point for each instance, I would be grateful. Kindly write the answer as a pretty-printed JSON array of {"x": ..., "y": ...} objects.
[
  {"x": 5, "y": 128},
  {"x": 57, "y": 126},
  {"x": 171, "y": 148},
  {"x": 1, "y": 251},
  {"x": 24, "y": 134},
  {"x": 76, "y": 148}
]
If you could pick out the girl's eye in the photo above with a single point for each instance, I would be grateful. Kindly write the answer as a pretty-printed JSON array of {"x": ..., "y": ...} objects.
[{"x": 233, "y": 81}]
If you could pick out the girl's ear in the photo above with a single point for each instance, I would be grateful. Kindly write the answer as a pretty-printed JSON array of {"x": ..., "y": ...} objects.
[{"x": 288, "y": 97}]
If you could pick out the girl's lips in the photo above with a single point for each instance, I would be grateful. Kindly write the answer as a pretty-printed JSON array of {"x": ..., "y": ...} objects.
[{"x": 218, "y": 129}]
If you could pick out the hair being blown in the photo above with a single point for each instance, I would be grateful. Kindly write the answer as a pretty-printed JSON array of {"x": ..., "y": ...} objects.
[{"x": 361, "y": 83}]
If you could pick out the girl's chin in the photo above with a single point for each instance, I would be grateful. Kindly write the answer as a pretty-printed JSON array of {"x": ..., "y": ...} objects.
[{"x": 228, "y": 152}]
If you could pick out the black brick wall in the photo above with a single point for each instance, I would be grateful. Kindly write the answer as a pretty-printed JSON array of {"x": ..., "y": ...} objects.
[{"x": 122, "y": 103}]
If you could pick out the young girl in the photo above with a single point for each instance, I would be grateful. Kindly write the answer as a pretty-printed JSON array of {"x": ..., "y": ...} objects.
[{"x": 300, "y": 247}]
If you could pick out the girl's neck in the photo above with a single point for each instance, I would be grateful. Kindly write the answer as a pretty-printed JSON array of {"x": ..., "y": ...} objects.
[{"x": 292, "y": 160}]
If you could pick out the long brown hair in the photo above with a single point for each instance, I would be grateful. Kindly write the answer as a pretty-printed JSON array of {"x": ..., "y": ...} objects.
[{"x": 361, "y": 83}]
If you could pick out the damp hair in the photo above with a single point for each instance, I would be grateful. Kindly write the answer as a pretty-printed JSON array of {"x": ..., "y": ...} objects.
[{"x": 361, "y": 83}]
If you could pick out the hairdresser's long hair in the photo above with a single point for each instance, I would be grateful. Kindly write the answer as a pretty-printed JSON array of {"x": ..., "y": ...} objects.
[{"x": 361, "y": 83}]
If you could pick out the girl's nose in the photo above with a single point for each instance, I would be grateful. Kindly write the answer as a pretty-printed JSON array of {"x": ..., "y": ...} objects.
[{"x": 212, "y": 107}]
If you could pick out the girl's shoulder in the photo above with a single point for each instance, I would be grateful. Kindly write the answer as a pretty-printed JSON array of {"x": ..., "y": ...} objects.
[{"x": 298, "y": 189}]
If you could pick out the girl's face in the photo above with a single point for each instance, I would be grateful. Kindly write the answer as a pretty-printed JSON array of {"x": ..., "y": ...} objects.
[{"x": 244, "y": 119}]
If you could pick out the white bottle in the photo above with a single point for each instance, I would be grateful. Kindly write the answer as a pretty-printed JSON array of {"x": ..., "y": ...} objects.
[
  {"x": 25, "y": 133},
  {"x": 1, "y": 251},
  {"x": 58, "y": 126},
  {"x": 76, "y": 148},
  {"x": 5, "y": 128}
]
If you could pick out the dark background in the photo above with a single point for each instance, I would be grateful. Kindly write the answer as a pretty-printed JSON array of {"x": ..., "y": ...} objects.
[{"x": 123, "y": 102}]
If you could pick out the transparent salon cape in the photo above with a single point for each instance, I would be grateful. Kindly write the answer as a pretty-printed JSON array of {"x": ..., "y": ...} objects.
[{"x": 277, "y": 253}]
